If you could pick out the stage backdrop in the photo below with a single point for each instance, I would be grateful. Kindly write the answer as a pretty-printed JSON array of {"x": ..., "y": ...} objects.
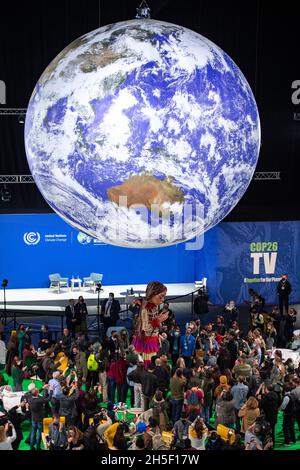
[
  {"x": 234, "y": 257},
  {"x": 239, "y": 255}
]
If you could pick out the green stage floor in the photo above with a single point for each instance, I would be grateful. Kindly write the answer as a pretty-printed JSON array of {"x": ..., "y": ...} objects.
[{"x": 278, "y": 441}]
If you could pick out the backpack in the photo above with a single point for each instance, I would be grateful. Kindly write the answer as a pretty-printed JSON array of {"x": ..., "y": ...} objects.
[
  {"x": 90, "y": 439},
  {"x": 92, "y": 364},
  {"x": 157, "y": 440},
  {"x": 193, "y": 399},
  {"x": 295, "y": 403}
]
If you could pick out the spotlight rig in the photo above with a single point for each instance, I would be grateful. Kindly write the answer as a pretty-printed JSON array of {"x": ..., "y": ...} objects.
[{"x": 143, "y": 11}]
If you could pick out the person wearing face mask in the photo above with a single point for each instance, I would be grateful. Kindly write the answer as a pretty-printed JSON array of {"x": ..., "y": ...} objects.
[
  {"x": 187, "y": 347},
  {"x": 284, "y": 289},
  {"x": 110, "y": 309},
  {"x": 81, "y": 314}
]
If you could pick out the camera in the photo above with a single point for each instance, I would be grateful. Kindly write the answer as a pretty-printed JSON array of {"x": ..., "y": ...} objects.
[{"x": 262, "y": 429}]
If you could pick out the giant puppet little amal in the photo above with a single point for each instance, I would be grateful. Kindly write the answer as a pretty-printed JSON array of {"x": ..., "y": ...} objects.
[{"x": 148, "y": 320}]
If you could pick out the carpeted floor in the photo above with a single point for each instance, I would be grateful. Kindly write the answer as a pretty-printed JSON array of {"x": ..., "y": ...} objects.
[{"x": 278, "y": 441}]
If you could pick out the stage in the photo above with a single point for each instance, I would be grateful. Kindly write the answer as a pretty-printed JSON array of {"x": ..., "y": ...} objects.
[{"x": 50, "y": 300}]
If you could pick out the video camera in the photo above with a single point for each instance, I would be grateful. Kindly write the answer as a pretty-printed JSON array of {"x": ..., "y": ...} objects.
[{"x": 262, "y": 429}]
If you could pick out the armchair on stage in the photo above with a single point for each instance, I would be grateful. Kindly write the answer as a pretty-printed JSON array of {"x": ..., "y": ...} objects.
[
  {"x": 92, "y": 280},
  {"x": 56, "y": 281}
]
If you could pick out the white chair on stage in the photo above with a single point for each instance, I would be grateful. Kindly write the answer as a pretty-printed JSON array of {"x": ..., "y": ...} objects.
[
  {"x": 56, "y": 281},
  {"x": 202, "y": 283},
  {"x": 92, "y": 280}
]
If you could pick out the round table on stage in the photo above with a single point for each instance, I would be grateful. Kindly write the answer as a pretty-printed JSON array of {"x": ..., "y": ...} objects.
[{"x": 76, "y": 281}]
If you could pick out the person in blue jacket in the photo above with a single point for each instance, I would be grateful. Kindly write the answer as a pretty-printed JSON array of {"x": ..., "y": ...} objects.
[{"x": 187, "y": 347}]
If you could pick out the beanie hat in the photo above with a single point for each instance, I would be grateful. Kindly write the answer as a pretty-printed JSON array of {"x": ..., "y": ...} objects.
[
  {"x": 223, "y": 380},
  {"x": 141, "y": 427}
]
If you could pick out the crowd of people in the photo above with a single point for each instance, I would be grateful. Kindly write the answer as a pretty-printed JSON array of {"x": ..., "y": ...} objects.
[{"x": 209, "y": 387}]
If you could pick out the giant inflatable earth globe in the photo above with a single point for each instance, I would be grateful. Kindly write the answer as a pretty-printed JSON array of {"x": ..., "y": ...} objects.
[{"x": 142, "y": 134}]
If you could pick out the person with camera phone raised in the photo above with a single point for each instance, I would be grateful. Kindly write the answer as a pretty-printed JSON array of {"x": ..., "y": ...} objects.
[{"x": 7, "y": 433}]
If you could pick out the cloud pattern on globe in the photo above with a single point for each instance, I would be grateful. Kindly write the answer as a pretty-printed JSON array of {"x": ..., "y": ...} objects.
[{"x": 149, "y": 111}]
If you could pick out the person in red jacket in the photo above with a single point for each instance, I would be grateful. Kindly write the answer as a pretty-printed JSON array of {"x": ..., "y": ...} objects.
[
  {"x": 120, "y": 377},
  {"x": 111, "y": 378}
]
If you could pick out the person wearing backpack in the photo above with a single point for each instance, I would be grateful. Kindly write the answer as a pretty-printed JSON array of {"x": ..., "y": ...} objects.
[
  {"x": 160, "y": 410},
  {"x": 288, "y": 408},
  {"x": 194, "y": 400},
  {"x": 92, "y": 371},
  {"x": 152, "y": 437}
]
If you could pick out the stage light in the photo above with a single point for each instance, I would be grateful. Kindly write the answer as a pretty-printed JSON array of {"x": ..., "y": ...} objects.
[
  {"x": 143, "y": 11},
  {"x": 5, "y": 194}
]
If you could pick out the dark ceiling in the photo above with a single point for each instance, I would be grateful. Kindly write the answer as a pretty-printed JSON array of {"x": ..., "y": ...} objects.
[{"x": 260, "y": 36}]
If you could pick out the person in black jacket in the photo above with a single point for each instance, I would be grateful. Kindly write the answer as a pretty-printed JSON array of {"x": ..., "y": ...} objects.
[
  {"x": 232, "y": 347},
  {"x": 65, "y": 342},
  {"x": 163, "y": 377},
  {"x": 214, "y": 442},
  {"x": 36, "y": 406},
  {"x": 149, "y": 386},
  {"x": 67, "y": 405},
  {"x": 70, "y": 317},
  {"x": 81, "y": 314},
  {"x": 269, "y": 404},
  {"x": 290, "y": 320},
  {"x": 201, "y": 305},
  {"x": 110, "y": 309},
  {"x": 231, "y": 312},
  {"x": 287, "y": 406},
  {"x": 284, "y": 289},
  {"x": 45, "y": 338}
]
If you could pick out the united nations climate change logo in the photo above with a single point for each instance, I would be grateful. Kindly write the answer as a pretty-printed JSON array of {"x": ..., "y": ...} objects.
[
  {"x": 31, "y": 238},
  {"x": 83, "y": 239}
]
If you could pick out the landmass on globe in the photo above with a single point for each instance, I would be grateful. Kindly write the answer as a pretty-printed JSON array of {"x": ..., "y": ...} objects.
[{"x": 147, "y": 190}]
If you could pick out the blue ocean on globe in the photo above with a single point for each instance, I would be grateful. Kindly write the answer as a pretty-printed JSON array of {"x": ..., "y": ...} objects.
[{"x": 142, "y": 134}]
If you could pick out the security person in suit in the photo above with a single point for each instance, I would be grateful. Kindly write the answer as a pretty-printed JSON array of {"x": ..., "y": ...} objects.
[
  {"x": 110, "y": 309},
  {"x": 284, "y": 289},
  {"x": 70, "y": 317}
]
